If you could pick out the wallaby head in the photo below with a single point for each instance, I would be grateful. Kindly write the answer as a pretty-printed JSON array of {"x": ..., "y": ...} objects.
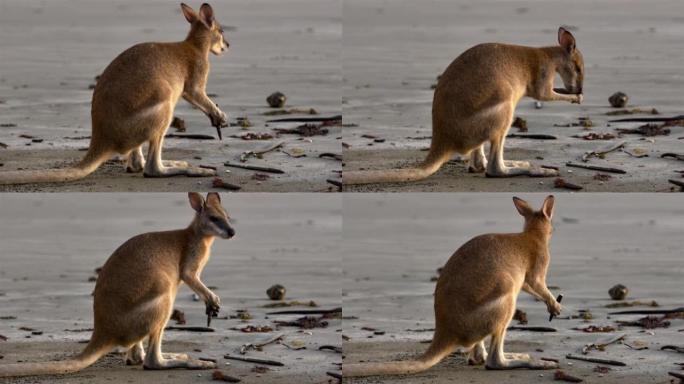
[
  {"x": 205, "y": 25},
  {"x": 211, "y": 219},
  {"x": 536, "y": 220},
  {"x": 571, "y": 68}
]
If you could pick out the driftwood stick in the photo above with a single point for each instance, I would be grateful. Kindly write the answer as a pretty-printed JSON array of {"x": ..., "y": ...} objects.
[
  {"x": 531, "y": 136},
  {"x": 532, "y": 329},
  {"x": 307, "y": 312},
  {"x": 246, "y": 347},
  {"x": 672, "y": 347},
  {"x": 305, "y": 119},
  {"x": 677, "y": 183},
  {"x": 258, "y": 152},
  {"x": 680, "y": 376},
  {"x": 333, "y": 348},
  {"x": 602, "y": 343},
  {"x": 189, "y": 136},
  {"x": 649, "y": 311},
  {"x": 595, "y": 360},
  {"x": 253, "y": 360},
  {"x": 253, "y": 167},
  {"x": 603, "y": 151},
  {"x": 190, "y": 329},
  {"x": 595, "y": 167},
  {"x": 647, "y": 119}
]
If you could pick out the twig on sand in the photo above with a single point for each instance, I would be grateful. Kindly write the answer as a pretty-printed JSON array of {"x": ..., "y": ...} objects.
[
  {"x": 256, "y": 153},
  {"x": 595, "y": 360},
  {"x": 253, "y": 167},
  {"x": 335, "y": 375},
  {"x": 191, "y": 136},
  {"x": 190, "y": 329},
  {"x": 647, "y": 119},
  {"x": 253, "y": 360},
  {"x": 562, "y": 376},
  {"x": 219, "y": 183},
  {"x": 603, "y": 151},
  {"x": 677, "y": 183},
  {"x": 599, "y": 345},
  {"x": 307, "y": 311},
  {"x": 531, "y": 136},
  {"x": 672, "y": 347},
  {"x": 532, "y": 329},
  {"x": 220, "y": 376},
  {"x": 595, "y": 167},
  {"x": 559, "y": 182},
  {"x": 246, "y": 347},
  {"x": 334, "y": 156},
  {"x": 649, "y": 311},
  {"x": 333, "y": 348},
  {"x": 676, "y": 156}
]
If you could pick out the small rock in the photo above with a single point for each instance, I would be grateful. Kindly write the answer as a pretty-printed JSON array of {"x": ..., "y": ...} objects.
[
  {"x": 618, "y": 100},
  {"x": 276, "y": 100},
  {"x": 618, "y": 292},
  {"x": 276, "y": 292}
]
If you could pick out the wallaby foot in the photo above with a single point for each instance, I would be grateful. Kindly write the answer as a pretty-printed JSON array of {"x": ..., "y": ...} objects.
[
  {"x": 497, "y": 359},
  {"x": 478, "y": 354},
  {"x": 135, "y": 355},
  {"x": 136, "y": 161},
  {"x": 177, "y": 356},
  {"x": 155, "y": 359},
  {"x": 517, "y": 356},
  {"x": 498, "y": 167},
  {"x": 478, "y": 161},
  {"x": 516, "y": 163},
  {"x": 176, "y": 163},
  {"x": 155, "y": 166}
]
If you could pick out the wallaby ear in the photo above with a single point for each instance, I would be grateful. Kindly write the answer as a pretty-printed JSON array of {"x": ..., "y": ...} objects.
[
  {"x": 214, "y": 195},
  {"x": 189, "y": 13},
  {"x": 196, "y": 201},
  {"x": 523, "y": 208},
  {"x": 547, "y": 207},
  {"x": 206, "y": 14},
  {"x": 566, "y": 40}
]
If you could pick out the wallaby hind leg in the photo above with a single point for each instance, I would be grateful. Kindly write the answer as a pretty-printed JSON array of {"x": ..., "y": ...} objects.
[
  {"x": 478, "y": 161},
  {"x": 136, "y": 161},
  {"x": 155, "y": 166},
  {"x": 498, "y": 167},
  {"x": 136, "y": 354},
  {"x": 478, "y": 354},
  {"x": 156, "y": 360}
]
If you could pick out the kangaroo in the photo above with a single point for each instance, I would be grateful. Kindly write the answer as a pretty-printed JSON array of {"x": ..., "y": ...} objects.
[
  {"x": 476, "y": 294},
  {"x": 475, "y": 100},
  {"x": 135, "y": 291},
  {"x": 134, "y": 99}
]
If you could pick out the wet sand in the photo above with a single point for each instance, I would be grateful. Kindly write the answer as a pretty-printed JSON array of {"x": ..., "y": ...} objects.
[
  {"x": 393, "y": 52},
  {"x": 600, "y": 240},
  {"x": 53, "y": 243},
  {"x": 51, "y": 55}
]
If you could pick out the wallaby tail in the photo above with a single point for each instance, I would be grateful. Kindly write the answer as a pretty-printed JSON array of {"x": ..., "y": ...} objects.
[
  {"x": 92, "y": 352},
  {"x": 437, "y": 351},
  {"x": 86, "y": 166},
  {"x": 433, "y": 161}
]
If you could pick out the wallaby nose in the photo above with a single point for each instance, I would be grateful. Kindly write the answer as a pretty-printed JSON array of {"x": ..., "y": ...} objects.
[{"x": 231, "y": 232}]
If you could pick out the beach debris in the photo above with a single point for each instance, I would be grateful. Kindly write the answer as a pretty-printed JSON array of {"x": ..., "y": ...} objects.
[
  {"x": 672, "y": 312},
  {"x": 637, "y": 153},
  {"x": 260, "y": 177},
  {"x": 562, "y": 376},
  {"x": 520, "y": 123},
  {"x": 190, "y": 136},
  {"x": 596, "y": 329},
  {"x": 253, "y": 167},
  {"x": 276, "y": 292},
  {"x": 333, "y": 348},
  {"x": 3, "y": 145},
  {"x": 254, "y": 136},
  {"x": 602, "y": 370},
  {"x": 276, "y": 99},
  {"x": 217, "y": 182},
  {"x": 335, "y": 375},
  {"x": 295, "y": 345},
  {"x": 648, "y": 322},
  {"x": 532, "y": 329},
  {"x": 256, "y": 329},
  {"x": 677, "y": 183},
  {"x": 330, "y": 155},
  {"x": 261, "y": 344},
  {"x": 190, "y": 329},
  {"x": 336, "y": 183},
  {"x": 295, "y": 153},
  {"x": 205, "y": 166},
  {"x": 633, "y": 111},
  {"x": 3, "y": 338},
  {"x": 602, "y": 177},
  {"x": 178, "y": 123},
  {"x": 220, "y": 376},
  {"x": 595, "y": 360},
  {"x": 293, "y": 303},
  {"x": 242, "y": 314},
  {"x": 538, "y": 105},
  {"x": 7, "y": 125},
  {"x": 676, "y": 156},
  {"x": 305, "y": 322},
  {"x": 602, "y": 344},
  {"x": 648, "y": 130},
  {"x": 306, "y": 130},
  {"x": 594, "y": 167},
  {"x": 673, "y": 348},
  {"x": 637, "y": 345},
  {"x": 178, "y": 316},
  {"x": 596, "y": 136},
  {"x": 635, "y": 303},
  {"x": 260, "y": 369},
  {"x": 601, "y": 153},
  {"x": 531, "y": 136},
  {"x": 559, "y": 182},
  {"x": 330, "y": 312},
  {"x": 291, "y": 111},
  {"x": 242, "y": 122},
  {"x": 618, "y": 292},
  {"x": 253, "y": 360},
  {"x": 259, "y": 153},
  {"x": 618, "y": 100},
  {"x": 680, "y": 376},
  {"x": 520, "y": 316}
]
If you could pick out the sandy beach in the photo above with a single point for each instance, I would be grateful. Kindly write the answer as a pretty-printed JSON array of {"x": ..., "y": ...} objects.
[
  {"x": 51, "y": 52},
  {"x": 393, "y": 244},
  {"x": 55, "y": 241},
  {"x": 393, "y": 52}
]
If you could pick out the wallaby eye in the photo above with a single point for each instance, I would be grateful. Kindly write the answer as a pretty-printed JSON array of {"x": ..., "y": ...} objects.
[{"x": 215, "y": 219}]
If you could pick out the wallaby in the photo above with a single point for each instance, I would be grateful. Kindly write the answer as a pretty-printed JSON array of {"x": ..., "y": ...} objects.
[
  {"x": 476, "y": 294},
  {"x": 134, "y": 99},
  {"x": 475, "y": 100},
  {"x": 135, "y": 291}
]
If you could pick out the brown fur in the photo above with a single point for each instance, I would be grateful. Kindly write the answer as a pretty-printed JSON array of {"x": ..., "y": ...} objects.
[
  {"x": 475, "y": 100},
  {"x": 134, "y": 99},
  {"x": 476, "y": 294},
  {"x": 135, "y": 291}
]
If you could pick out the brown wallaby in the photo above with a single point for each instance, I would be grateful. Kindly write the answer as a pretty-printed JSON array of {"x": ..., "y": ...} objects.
[
  {"x": 134, "y": 99},
  {"x": 476, "y": 294},
  {"x": 135, "y": 291},
  {"x": 475, "y": 100}
]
